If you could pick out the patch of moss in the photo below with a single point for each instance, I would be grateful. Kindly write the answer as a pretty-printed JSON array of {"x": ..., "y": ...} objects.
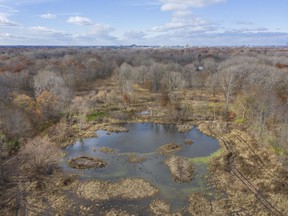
[
  {"x": 13, "y": 145},
  {"x": 205, "y": 160},
  {"x": 95, "y": 116},
  {"x": 276, "y": 149},
  {"x": 274, "y": 145},
  {"x": 240, "y": 121}
]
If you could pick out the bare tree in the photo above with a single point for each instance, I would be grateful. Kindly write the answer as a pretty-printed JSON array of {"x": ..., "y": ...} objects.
[
  {"x": 1, "y": 158},
  {"x": 188, "y": 72},
  {"x": 51, "y": 92},
  {"x": 142, "y": 73},
  {"x": 283, "y": 134},
  {"x": 124, "y": 78},
  {"x": 39, "y": 156},
  {"x": 173, "y": 80},
  {"x": 15, "y": 122},
  {"x": 227, "y": 85},
  {"x": 157, "y": 72},
  {"x": 48, "y": 81},
  {"x": 210, "y": 65},
  {"x": 212, "y": 82}
]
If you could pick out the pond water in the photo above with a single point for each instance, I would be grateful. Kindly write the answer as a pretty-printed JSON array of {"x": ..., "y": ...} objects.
[{"x": 144, "y": 140}]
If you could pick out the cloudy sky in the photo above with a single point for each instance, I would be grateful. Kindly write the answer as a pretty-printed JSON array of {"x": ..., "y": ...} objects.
[{"x": 144, "y": 22}]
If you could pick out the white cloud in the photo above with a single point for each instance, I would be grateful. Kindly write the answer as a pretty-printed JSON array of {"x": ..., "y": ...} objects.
[
  {"x": 78, "y": 20},
  {"x": 195, "y": 24},
  {"x": 97, "y": 34},
  {"x": 47, "y": 33},
  {"x": 27, "y": 2},
  {"x": 185, "y": 20},
  {"x": 48, "y": 16},
  {"x": 7, "y": 9},
  {"x": 41, "y": 29},
  {"x": 4, "y": 21},
  {"x": 224, "y": 38},
  {"x": 5, "y": 35},
  {"x": 243, "y": 22},
  {"x": 100, "y": 34},
  {"x": 176, "y": 5},
  {"x": 7, "y": 38},
  {"x": 215, "y": 39},
  {"x": 134, "y": 35},
  {"x": 100, "y": 29}
]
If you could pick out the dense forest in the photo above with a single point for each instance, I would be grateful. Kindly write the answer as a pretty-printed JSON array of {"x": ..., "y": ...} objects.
[{"x": 47, "y": 91}]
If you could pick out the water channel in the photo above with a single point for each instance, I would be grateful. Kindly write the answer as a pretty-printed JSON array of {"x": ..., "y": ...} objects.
[{"x": 143, "y": 140}]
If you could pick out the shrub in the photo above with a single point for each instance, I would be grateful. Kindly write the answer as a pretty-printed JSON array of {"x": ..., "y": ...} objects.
[
  {"x": 95, "y": 116},
  {"x": 39, "y": 156}
]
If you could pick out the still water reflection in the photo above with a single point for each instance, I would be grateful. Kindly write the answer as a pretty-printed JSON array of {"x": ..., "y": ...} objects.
[{"x": 144, "y": 139}]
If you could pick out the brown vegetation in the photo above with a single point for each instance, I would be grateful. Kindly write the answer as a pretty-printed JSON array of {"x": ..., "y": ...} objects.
[
  {"x": 39, "y": 157},
  {"x": 129, "y": 189},
  {"x": 87, "y": 163},
  {"x": 181, "y": 168},
  {"x": 169, "y": 148},
  {"x": 106, "y": 150},
  {"x": 70, "y": 93}
]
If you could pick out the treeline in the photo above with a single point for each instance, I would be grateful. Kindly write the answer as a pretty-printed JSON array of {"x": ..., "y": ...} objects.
[
  {"x": 253, "y": 86},
  {"x": 37, "y": 86}
]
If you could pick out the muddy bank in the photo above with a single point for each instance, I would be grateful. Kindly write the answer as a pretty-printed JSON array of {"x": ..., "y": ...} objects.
[
  {"x": 129, "y": 189},
  {"x": 90, "y": 130},
  {"x": 199, "y": 205},
  {"x": 188, "y": 142},
  {"x": 87, "y": 163},
  {"x": 106, "y": 150},
  {"x": 169, "y": 148},
  {"x": 160, "y": 208},
  {"x": 181, "y": 168},
  {"x": 115, "y": 212},
  {"x": 204, "y": 128},
  {"x": 184, "y": 128},
  {"x": 78, "y": 131},
  {"x": 134, "y": 157},
  {"x": 68, "y": 195}
]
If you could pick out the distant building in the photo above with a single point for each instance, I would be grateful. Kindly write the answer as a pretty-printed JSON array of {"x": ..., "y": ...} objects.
[{"x": 200, "y": 68}]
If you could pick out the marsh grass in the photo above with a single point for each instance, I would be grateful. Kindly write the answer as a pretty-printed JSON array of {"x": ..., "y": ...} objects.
[
  {"x": 206, "y": 160},
  {"x": 95, "y": 116}
]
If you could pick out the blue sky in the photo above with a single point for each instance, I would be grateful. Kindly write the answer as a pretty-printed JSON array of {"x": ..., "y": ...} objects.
[{"x": 144, "y": 22}]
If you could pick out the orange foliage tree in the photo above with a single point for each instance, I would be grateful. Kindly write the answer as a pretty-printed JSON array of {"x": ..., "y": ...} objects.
[
  {"x": 25, "y": 103},
  {"x": 47, "y": 104}
]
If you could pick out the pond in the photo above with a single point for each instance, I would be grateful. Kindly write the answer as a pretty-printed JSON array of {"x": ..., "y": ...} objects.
[{"x": 142, "y": 142}]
